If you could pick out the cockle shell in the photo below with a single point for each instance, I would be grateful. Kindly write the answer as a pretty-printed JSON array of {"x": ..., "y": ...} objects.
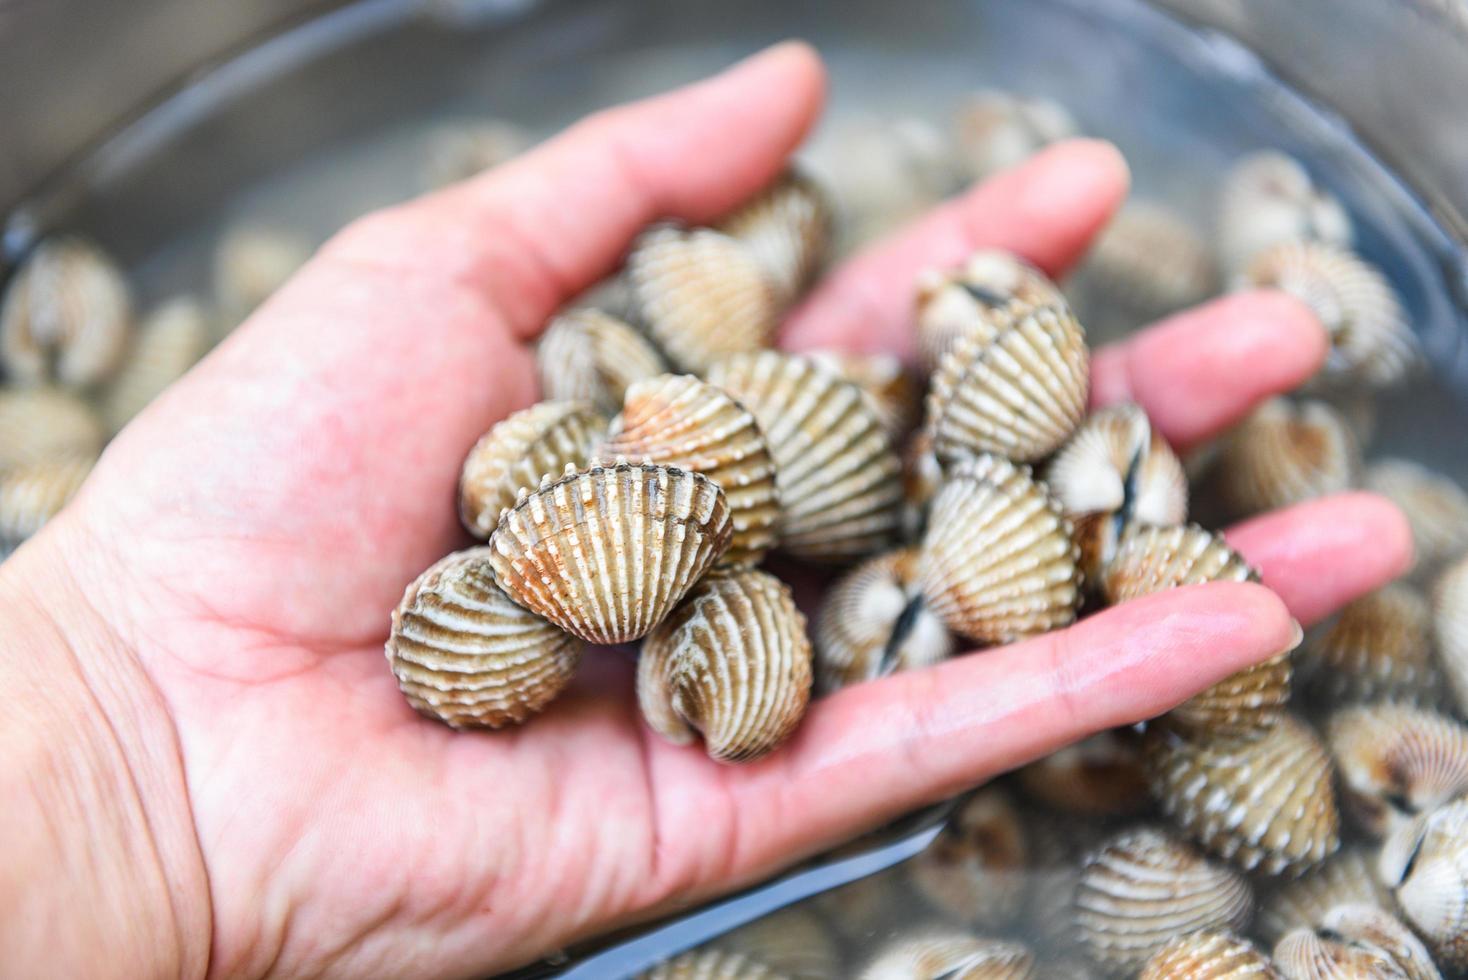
[
  {"x": 168, "y": 342},
  {"x": 1425, "y": 863},
  {"x": 1210, "y": 955},
  {"x": 1371, "y": 340},
  {"x": 1450, "y": 624},
  {"x": 787, "y": 229},
  {"x": 998, "y": 563},
  {"x": 1372, "y": 926},
  {"x": 980, "y": 299},
  {"x": 1263, "y": 803},
  {"x": 732, "y": 663},
  {"x": 678, "y": 420},
  {"x": 251, "y": 262},
  {"x": 519, "y": 452},
  {"x": 1144, "y": 888},
  {"x": 1020, "y": 396},
  {"x": 41, "y": 423},
  {"x": 874, "y": 621},
  {"x": 1320, "y": 955},
  {"x": 465, "y": 654},
  {"x": 1269, "y": 199},
  {"x": 951, "y": 957},
  {"x": 66, "y": 315},
  {"x": 1286, "y": 453},
  {"x": 711, "y": 964},
  {"x": 922, "y": 475},
  {"x": 590, "y": 356},
  {"x": 975, "y": 870},
  {"x": 1379, "y": 648},
  {"x": 33, "y": 493},
  {"x": 1347, "y": 877},
  {"x": 1098, "y": 776},
  {"x": 839, "y": 478},
  {"x": 460, "y": 150},
  {"x": 1151, "y": 559},
  {"x": 702, "y": 295},
  {"x": 1434, "y": 505},
  {"x": 1396, "y": 762},
  {"x": 892, "y": 393},
  {"x": 1149, "y": 262},
  {"x": 795, "y": 941},
  {"x": 606, "y": 553},
  {"x": 1116, "y": 463},
  {"x": 997, "y": 129}
]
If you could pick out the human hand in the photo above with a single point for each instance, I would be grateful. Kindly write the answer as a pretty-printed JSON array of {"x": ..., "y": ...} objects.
[{"x": 233, "y": 784}]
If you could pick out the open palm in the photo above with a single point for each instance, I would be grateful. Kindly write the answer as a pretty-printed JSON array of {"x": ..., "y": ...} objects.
[{"x": 245, "y": 539}]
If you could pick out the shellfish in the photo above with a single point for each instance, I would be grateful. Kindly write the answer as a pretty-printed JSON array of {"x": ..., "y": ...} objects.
[
  {"x": 787, "y": 229},
  {"x": 463, "y": 653},
  {"x": 1286, "y": 453},
  {"x": 1379, "y": 648},
  {"x": 1148, "y": 262},
  {"x": 874, "y": 621},
  {"x": 732, "y": 663},
  {"x": 891, "y": 392},
  {"x": 998, "y": 563},
  {"x": 590, "y": 356},
  {"x": 1320, "y": 955},
  {"x": 519, "y": 452},
  {"x": 975, "y": 870},
  {"x": 1425, "y": 863},
  {"x": 1347, "y": 877},
  {"x": 464, "y": 149},
  {"x": 996, "y": 130},
  {"x": 1373, "y": 927},
  {"x": 1434, "y": 505},
  {"x": 1396, "y": 762},
  {"x": 1020, "y": 395},
  {"x": 1144, "y": 888},
  {"x": 32, "y": 494},
  {"x": 1371, "y": 340},
  {"x": 1098, "y": 776},
  {"x": 606, "y": 553},
  {"x": 1264, "y": 803},
  {"x": 251, "y": 262},
  {"x": 42, "y": 423},
  {"x": 169, "y": 341},
  {"x": 979, "y": 299},
  {"x": 702, "y": 294},
  {"x": 711, "y": 964},
  {"x": 1269, "y": 199},
  {"x": 681, "y": 421},
  {"x": 66, "y": 316},
  {"x": 1210, "y": 955},
  {"x": 838, "y": 476},
  {"x": 951, "y": 957},
  {"x": 794, "y": 941},
  {"x": 1450, "y": 624}
]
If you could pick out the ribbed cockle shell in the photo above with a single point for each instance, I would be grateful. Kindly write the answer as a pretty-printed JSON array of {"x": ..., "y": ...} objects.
[
  {"x": 874, "y": 621},
  {"x": 951, "y": 957},
  {"x": 1434, "y": 505},
  {"x": 465, "y": 654},
  {"x": 32, "y": 494},
  {"x": 169, "y": 341},
  {"x": 66, "y": 315},
  {"x": 795, "y": 941},
  {"x": 1396, "y": 762},
  {"x": 1425, "y": 863},
  {"x": 521, "y": 451},
  {"x": 1373, "y": 927},
  {"x": 787, "y": 229},
  {"x": 975, "y": 870},
  {"x": 839, "y": 478},
  {"x": 979, "y": 299},
  {"x": 1286, "y": 453},
  {"x": 1307, "y": 954},
  {"x": 998, "y": 563},
  {"x": 606, "y": 553},
  {"x": 1020, "y": 395},
  {"x": 1347, "y": 877},
  {"x": 731, "y": 663},
  {"x": 1149, "y": 262},
  {"x": 1210, "y": 955},
  {"x": 590, "y": 356},
  {"x": 1269, "y": 199},
  {"x": 1144, "y": 888},
  {"x": 998, "y": 129},
  {"x": 702, "y": 295},
  {"x": 1099, "y": 776},
  {"x": 1379, "y": 648},
  {"x": 41, "y": 423},
  {"x": 892, "y": 393},
  {"x": 711, "y": 964},
  {"x": 1450, "y": 624},
  {"x": 678, "y": 420},
  {"x": 1264, "y": 803}
]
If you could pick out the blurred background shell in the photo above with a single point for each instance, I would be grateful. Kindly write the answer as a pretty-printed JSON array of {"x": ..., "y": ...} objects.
[
  {"x": 465, "y": 148},
  {"x": 1264, "y": 803},
  {"x": 1020, "y": 396},
  {"x": 519, "y": 452},
  {"x": 712, "y": 964},
  {"x": 953, "y": 956},
  {"x": 1144, "y": 888},
  {"x": 66, "y": 315},
  {"x": 1434, "y": 505},
  {"x": 1425, "y": 863},
  {"x": 1268, "y": 199},
  {"x": 33, "y": 493},
  {"x": 586, "y": 355},
  {"x": 678, "y": 420},
  {"x": 998, "y": 129},
  {"x": 732, "y": 663},
  {"x": 874, "y": 621},
  {"x": 979, "y": 299},
  {"x": 1210, "y": 955},
  {"x": 1450, "y": 625},
  {"x": 1396, "y": 762},
  {"x": 1347, "y": 877},
  {"x": 463, "y": 653},
  {"x": 701, "y": 294},
  {"x": 975, "y": 870},
  {"x": 1115, "y": 461},
  {"x": 893, "y": 394},
  {"x": 787, "y": 229},
  {"x": 839, "y": 478},
  {"x": 606, "y": 553},
  {"x": 251, "y": 262},
  {"x": 1285, "y": 453},
  {"x": 1100, "y": 776},
  {"x": 168, "y": 342},
  {"x": 42, "y": 422},
  {"x": 796, "y": 942},
  {"x": 1378, "y": 648},
  {"x": 1147, "y": 263},
  {"x": 998, "y": 563}
]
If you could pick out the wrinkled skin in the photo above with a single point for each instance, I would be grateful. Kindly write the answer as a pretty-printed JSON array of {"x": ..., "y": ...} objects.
[{"x": 217, "y": 761}]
